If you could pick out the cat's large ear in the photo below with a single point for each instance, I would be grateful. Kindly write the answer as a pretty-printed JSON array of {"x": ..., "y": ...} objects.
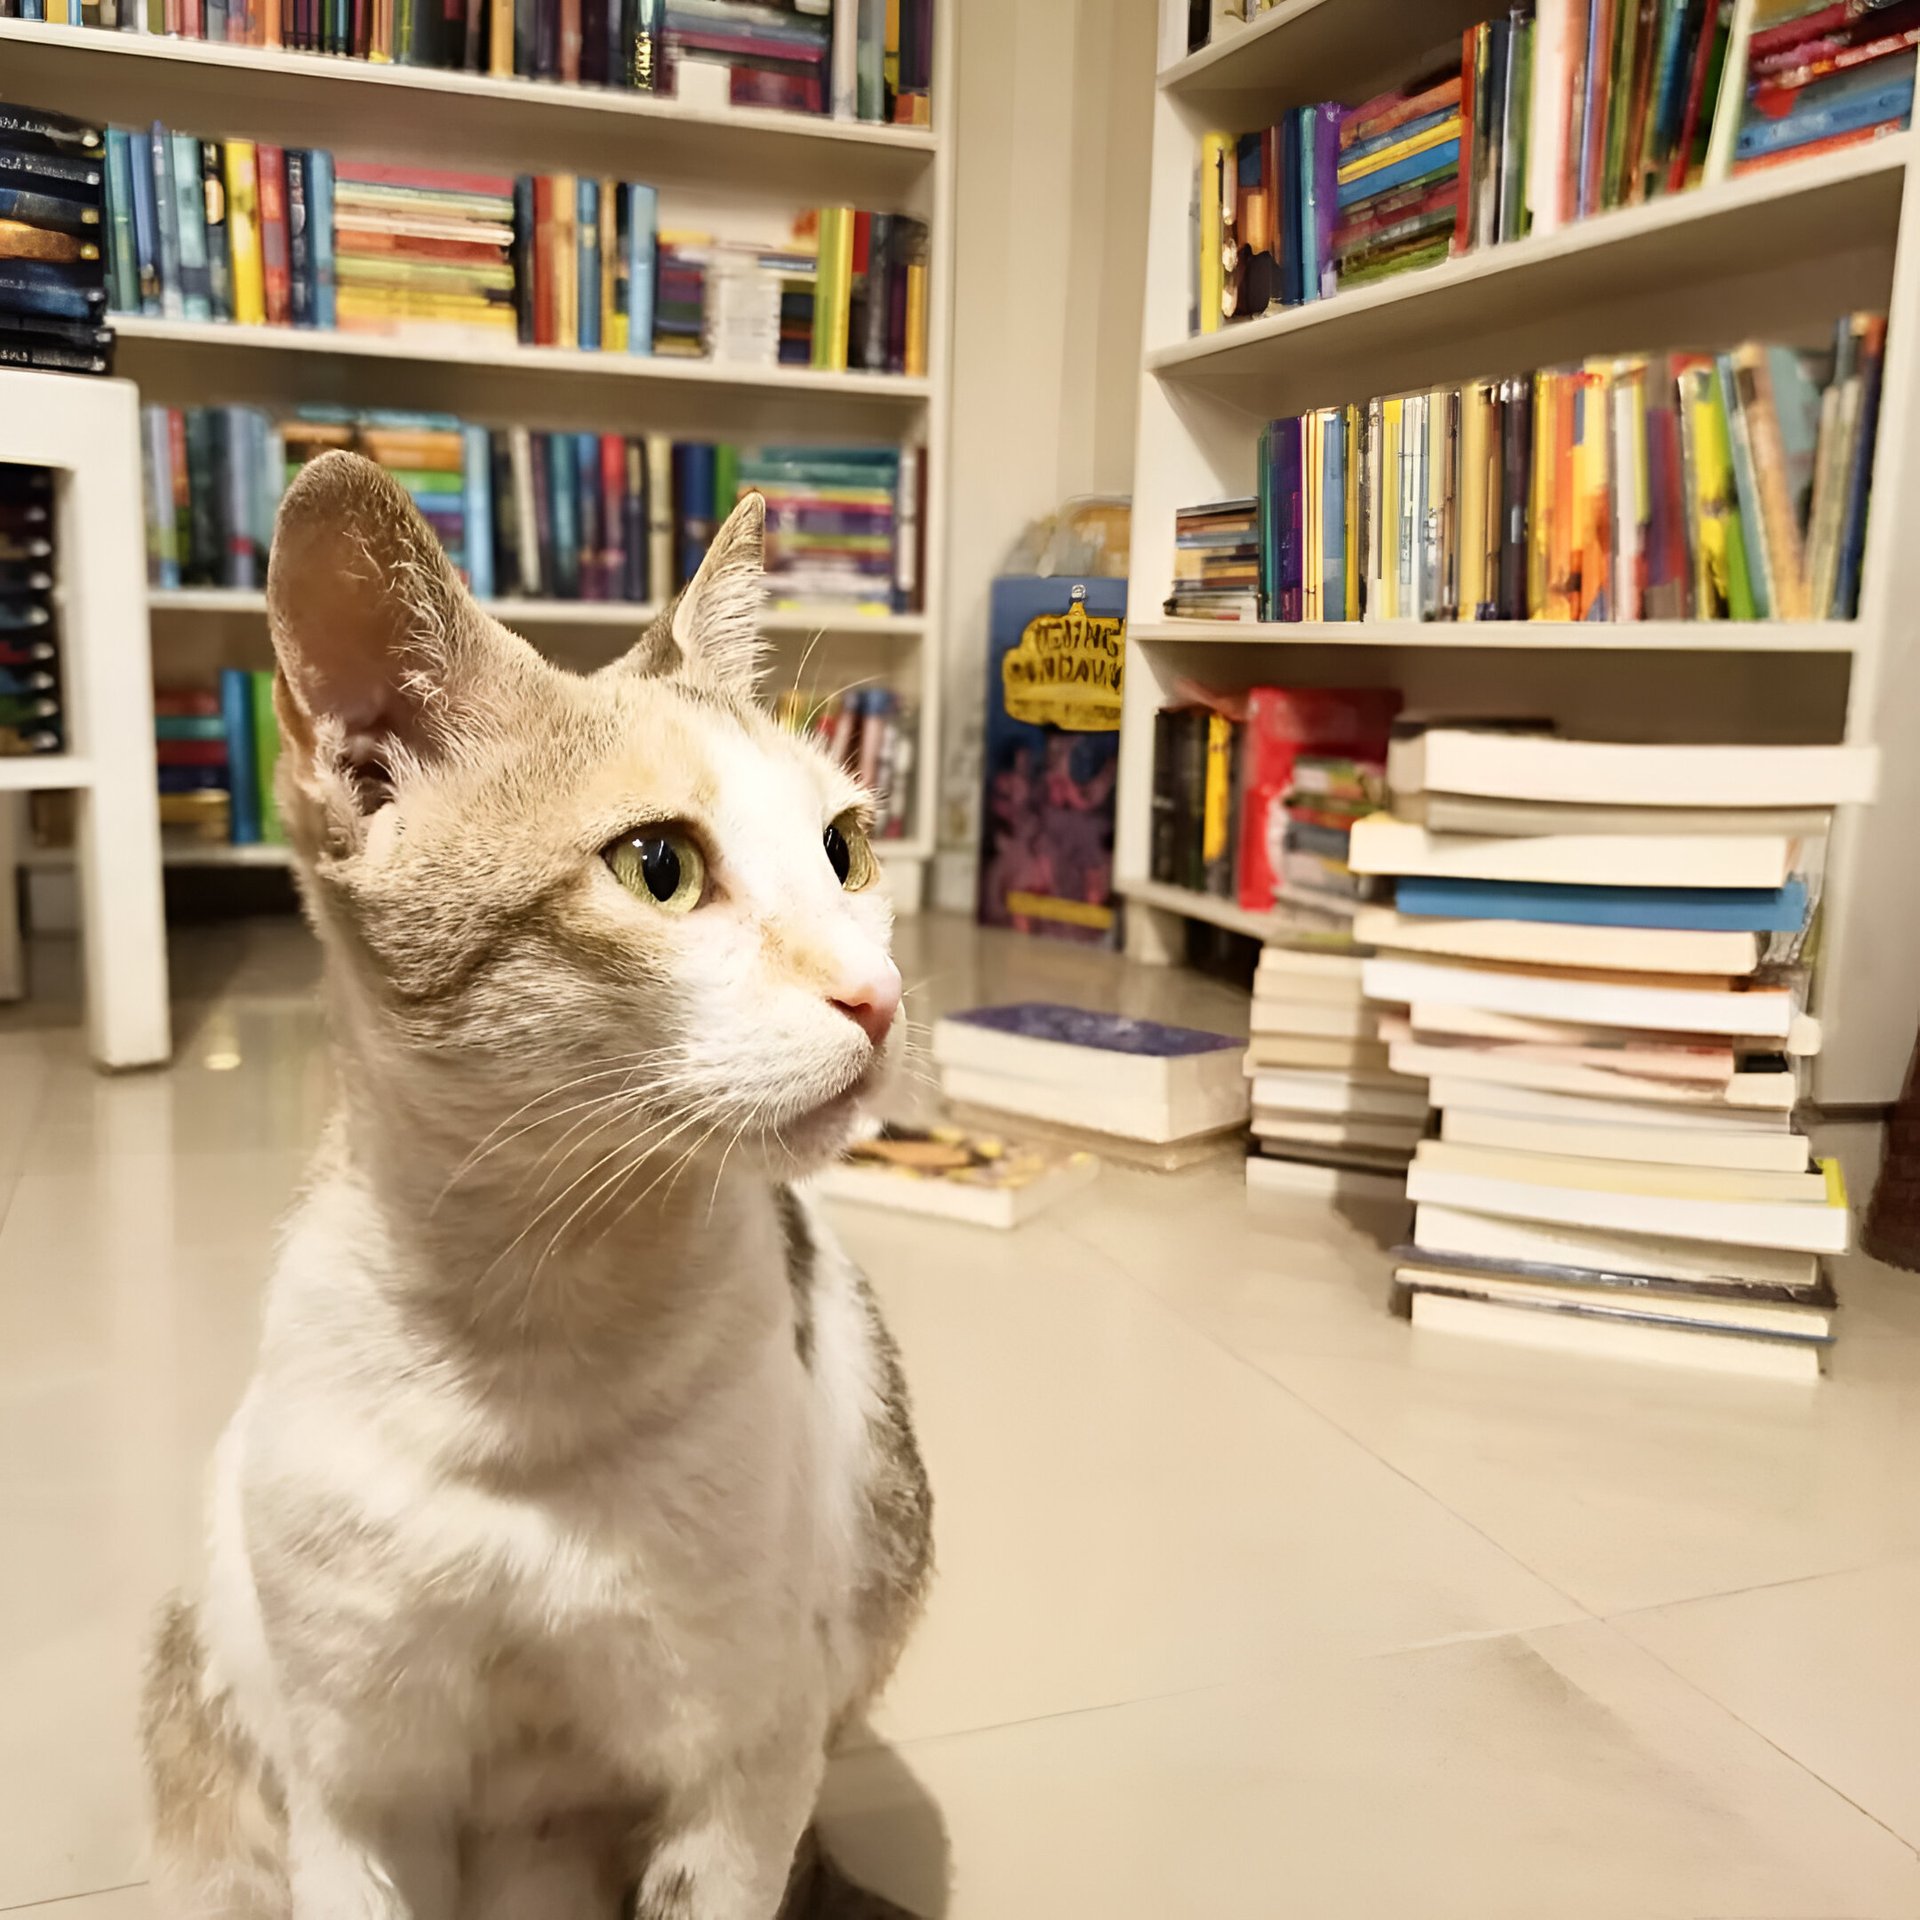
[
  {"x": 711, "y": 632},
  {"x": 385, "y": 660}
]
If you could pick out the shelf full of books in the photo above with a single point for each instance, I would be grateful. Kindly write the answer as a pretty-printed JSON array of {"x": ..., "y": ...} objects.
[{"x": 820, "y": 99}]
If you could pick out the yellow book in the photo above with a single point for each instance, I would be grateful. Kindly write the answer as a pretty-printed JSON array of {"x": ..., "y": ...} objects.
[
  {"x": 243, "y": 234},
  {"x": 916, "y": 354},
  {"x": 1351, "y": 599},
  {"x": 611, "y": 319},
  {"x": 1389, "y": 514},
  {"x": 1216, "y": 159},
  {"x": 56, "y": 13},
  {"x": 566, "y": 261},
  {"x": 1216, "y": 815},
  {"x": 500, "y": 39},
  {"x": 1448, "y": 129},
  {"x": 1475, "y": 407},
  {"x": 1540, "y": 494},
  {"x": 1310, "y": 470},
  {"x": 1712, "y": 491}
]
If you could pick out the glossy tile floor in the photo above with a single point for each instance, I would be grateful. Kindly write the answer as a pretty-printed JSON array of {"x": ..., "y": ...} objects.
[{"x": 1252, "y": 1601}]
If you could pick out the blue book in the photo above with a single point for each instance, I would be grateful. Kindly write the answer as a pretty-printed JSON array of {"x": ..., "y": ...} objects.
[
  {"x": 189, "y": 726},
  {"x": 479, "y": 510},
  {"x": 1333, "y": 521},
  {"x": 123, "y": 262},
  {"x": 588, "y": 226},
  {"x": 1746, "y": 489},
  {"x": 190, "y": 225},
  {"x": 320, "y": 234},
  {"x": 166, "y": 220},
  {"x": 243, "y": 774},
  {"x": 1408, "y": 130},
  {"x": 1416, "y": 166},
  {"x": 156, "y": 462},
  {"x": 586, "y": 455},
  {"x": 693, "y": 480},
  {"x": 242, "y": 561},
  {"x": 1304, "y": 119},
  {"x": 1053, "y": 1025},
  {"x": 642, "y": 254},
  {"x": 1684, "y": 909},
  {"x": 1864, "y": 98},
  {"x": 146, "y": 224},
  {"x": 563, "y": 486},
  {"x": 36, "y": 286}
]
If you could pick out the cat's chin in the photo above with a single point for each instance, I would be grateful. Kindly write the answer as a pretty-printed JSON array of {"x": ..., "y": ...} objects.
[{"x": 822, "y": 1134}]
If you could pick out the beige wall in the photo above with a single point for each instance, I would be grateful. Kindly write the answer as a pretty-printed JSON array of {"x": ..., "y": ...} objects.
[{"x": 1054, "y": 100}]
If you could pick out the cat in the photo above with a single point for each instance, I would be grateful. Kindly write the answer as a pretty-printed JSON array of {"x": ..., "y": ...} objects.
[{"x": 574, "y": 1504}]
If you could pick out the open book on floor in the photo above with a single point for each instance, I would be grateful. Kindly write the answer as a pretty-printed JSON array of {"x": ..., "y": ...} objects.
[{"x": 950, "y": 1174}]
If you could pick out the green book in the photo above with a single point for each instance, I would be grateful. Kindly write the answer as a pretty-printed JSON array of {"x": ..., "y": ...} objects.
[
  {"x": 189, "y": 726},
  {"x": 726, "y": 480},
  {"x": 266, "y": 757},
  {"x": 1745, "y": 588}
]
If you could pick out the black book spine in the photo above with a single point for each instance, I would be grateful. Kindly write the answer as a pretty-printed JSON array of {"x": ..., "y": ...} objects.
[
  {"x": 523, "y": 245},
  {"x": 503, "y": 532},
  {"x": 206, "y": 428},
  {"x": 299, "y": 241},
  {"x": 1164, "y": 830},
  {"x": 39, "y": 130},
  {"x": 213, "y": 184},
  {"x": 1516, "y": 485},
  {"x": 44, "y": 355},
  {"x": 593, "y": 42}
]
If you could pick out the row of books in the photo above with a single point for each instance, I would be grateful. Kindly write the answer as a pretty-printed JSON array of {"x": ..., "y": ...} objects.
[
  {"x": 266, "y": 235},
  {"x": 1682, "y": 486},
  {"x": 1543, "y": 115},
  {"x": 53, "y": 296},
  {"x": 32, "y": 705},
  {"x": 527, "y": 514},
  {"x": 874, "y": 734},
  {"x": 760, "y": 53},
  {"x": 1254, "y": 794},
  {"x": 1594, "y": 959},
  {"x": 215, "y": 750}
]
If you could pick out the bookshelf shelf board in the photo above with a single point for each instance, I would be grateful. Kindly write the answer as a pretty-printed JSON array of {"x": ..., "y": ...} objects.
[
  {"x": 173, "y": 606},
  {"x": 44, "y": 773},
  {"x": 1210, "y": 908},
  {"x": 1302, "y": 50},
  {"x": 194, "y": 362},
  {"x": 1536, "y": 636},
  {"x": 1836, "y": 204},
  {"x": 424, "y": 115}
]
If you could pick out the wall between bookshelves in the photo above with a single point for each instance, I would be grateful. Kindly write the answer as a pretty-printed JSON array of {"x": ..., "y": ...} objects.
[{"x": 1050, "y": 244}]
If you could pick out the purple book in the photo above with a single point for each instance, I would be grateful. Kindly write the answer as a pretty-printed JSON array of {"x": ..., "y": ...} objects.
[
  {"x": 1326, "y": 195},
  {"x": 1110, "y": 1032},
  {"x": 1289, "y": 503}
]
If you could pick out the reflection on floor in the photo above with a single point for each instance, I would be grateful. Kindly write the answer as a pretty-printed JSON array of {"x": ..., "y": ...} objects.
[{"x": 1251, "y": 1601}]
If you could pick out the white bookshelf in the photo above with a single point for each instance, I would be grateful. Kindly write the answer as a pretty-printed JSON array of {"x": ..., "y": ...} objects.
[
  {"x": 1780, "y": 254},
  {"x": 759, "y": 159}
]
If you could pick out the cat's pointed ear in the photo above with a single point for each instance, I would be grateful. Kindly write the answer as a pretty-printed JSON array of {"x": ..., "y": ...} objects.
[
  {"x": 711, "y": 632},
  {"x": 384, "y": 657}
]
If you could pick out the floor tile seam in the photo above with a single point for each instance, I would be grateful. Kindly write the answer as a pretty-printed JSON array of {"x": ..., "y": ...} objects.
[
  {"x": 1616, "y": 1615},
  {"x": 1793, "y": 1760},
  {"x": 1247, "y": 1362},
  {"x": 62, "y": 1899}
]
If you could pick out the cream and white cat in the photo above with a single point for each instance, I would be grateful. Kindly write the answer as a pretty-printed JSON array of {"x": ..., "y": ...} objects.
[{"x": 574, "y": 1501}]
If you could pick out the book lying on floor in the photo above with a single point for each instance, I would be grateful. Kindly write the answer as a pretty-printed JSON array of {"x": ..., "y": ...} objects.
[
  {"x": 950, "y": 1174},
  {"x": 1139, "y": 1079}
]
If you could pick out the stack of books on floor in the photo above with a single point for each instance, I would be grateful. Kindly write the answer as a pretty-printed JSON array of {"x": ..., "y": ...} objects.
[
  {"x": 758, "y": 53},
  {"x": 1330, "y": 1115},
  {"x": 1135, "y": 1088},
  {"x": 871, "y": 731},
  {"x": 1596, "y": 953},
  {"x": 540, "y": 516},
  {"x": 216, "y": 749},
  {"x": 32, "y": 710},
  {"x": 1729, "y": 486},
  {"x": 53, "y": 271},
  {"x": 1253, "y": 793},
  {"x": 1824, "y": 76},
  {"x": 1216, "y": 561}
]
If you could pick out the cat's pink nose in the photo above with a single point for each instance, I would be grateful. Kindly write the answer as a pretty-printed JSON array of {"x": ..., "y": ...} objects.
[{"x": 871, "y": 1000}]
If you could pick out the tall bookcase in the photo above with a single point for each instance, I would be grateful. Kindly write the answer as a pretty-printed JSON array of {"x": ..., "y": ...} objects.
[
  {"x": 749, "y": 158},
  {"x": 1778, "y": 255}
]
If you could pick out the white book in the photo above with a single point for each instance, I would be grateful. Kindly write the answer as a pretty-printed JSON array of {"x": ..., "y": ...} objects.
[
  {"x": 1729, "y": 1311},
  {"x": 1330, "y": 989},
  {"x": 1545, "y": 1329},
  {"x": 1751, "y": 1223},
  {"x": 1547, "y": 126},
  {"x": 1632, "y": 1175},
  {"x": 1307, "y": 963},
  {"x": 1474, "y": 813},
  {"x": 1385, "y": 1136},
  {"x": 1513, "y": 1066},
  {"x": 1424, "y": 1021},
  {"x": 1492, "y": 1096},
  {"x": 1537, "y": 766},
  {"x": 1540, "y": 943},
  {"x": 1307, "y": 1092},
  {"x": 1765, "y": 1011},
  {"x": 1033, "y": 1181},
  {"x": 1157, "y": 1120},
  {"x": 1443, "y": 1229},
  {"x": 1593, "y": 1140},
  {"x": 1323, "y": 1019},
  {"x": 1381, "y": 844},
  {"x": 1314, "y": 1179}
]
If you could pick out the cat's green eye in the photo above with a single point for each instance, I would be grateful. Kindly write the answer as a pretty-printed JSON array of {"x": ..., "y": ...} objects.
[
  {"x": 662, "y": 864},
  {"x": 850, "y": 854}
]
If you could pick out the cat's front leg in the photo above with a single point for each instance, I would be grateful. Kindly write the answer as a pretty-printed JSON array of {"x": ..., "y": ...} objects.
[
  {"x": 354, "y": 1863},
  {"x": 724, "y": 1851}
]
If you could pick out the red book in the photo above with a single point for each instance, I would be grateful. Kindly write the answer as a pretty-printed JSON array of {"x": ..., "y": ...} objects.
[
  {"x": 1775, "y": 96},
  {"x": 374, "y": 173},
  {"x": 275, "y": 269},
  {"x": 1811, "y": 26},
  {"x": 196, "y": 703},
  {"x": 1388, "y": 110},
  {"x": 190, "y": 753},
  {"x": 1282, "y": 724},
  {"x": 1463, "y": 213},
  {"x": 862, "y": 240},
  {"x": 1696, "y": 96},
  {"x": 1600, "y": 83},
  {"x": 1392, "y": 210},
  {"x": 613, "y": 528},
  {"x": 546, "y": 331},
  {"x": 570, "y": 41}
]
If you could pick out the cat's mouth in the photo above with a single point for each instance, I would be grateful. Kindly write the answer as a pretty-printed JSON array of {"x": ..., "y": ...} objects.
[{"x": 825, "y": 1127}]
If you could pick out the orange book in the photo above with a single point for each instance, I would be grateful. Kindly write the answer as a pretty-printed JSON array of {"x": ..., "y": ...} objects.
[{"x": 566, "y": 261}]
